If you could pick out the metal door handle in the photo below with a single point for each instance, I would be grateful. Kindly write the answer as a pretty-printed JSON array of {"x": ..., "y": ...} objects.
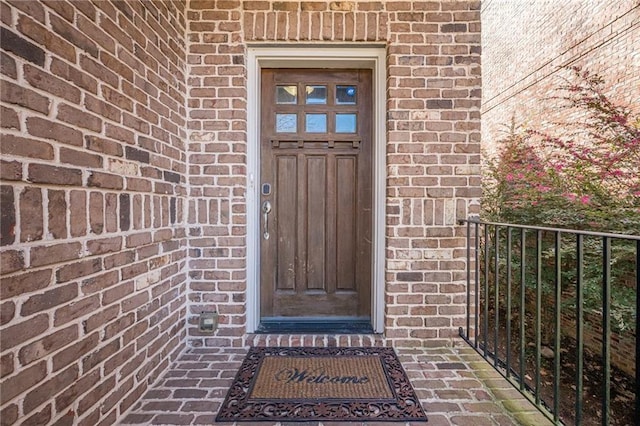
[{"x": 266, "y": 209}]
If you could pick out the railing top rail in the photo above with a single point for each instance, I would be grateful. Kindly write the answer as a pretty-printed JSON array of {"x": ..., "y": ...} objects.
[{"x": 549, "y": 229}]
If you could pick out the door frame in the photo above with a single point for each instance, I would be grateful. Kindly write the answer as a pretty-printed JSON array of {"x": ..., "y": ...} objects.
[{"x": 316, "y": 56}]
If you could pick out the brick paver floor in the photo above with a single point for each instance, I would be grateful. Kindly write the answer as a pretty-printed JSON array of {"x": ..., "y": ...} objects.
[{"x": 455, "y": 385}]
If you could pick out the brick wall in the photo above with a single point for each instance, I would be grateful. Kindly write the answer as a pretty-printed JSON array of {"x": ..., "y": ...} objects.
[
  {"x": 93, "y": 185},
  {"x": 433, "y": 132},
  {"x": 623, "y": 345},
  {"x": 525, "y": 46}
]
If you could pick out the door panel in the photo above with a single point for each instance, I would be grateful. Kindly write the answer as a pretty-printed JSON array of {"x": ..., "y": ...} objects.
[
  {"x": 316, "y": 154},
  {"x": 346, "y": 223},
  {"x": 285, "y": 222},
  {"x": 316, "y": 222}
]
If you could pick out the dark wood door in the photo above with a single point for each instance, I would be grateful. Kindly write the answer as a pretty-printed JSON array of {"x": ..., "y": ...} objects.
[{"x": 316, "y": 194}]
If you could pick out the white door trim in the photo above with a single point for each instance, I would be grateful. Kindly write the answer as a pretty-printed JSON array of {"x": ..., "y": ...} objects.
[{"x": 315, "y": 56}]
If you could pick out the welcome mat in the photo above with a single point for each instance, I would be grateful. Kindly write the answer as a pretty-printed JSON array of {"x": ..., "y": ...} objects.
[{"x": 303, "y": 384}]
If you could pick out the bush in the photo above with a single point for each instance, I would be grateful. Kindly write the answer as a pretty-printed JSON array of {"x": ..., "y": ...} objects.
[{"x": 582, "y": 175}]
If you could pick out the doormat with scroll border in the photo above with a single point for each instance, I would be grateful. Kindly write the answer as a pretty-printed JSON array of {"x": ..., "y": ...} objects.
[{"x": 331, "y": 384}]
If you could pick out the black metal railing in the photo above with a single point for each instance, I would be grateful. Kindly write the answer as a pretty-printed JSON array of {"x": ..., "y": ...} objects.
[{"x": 542, "y": 307}]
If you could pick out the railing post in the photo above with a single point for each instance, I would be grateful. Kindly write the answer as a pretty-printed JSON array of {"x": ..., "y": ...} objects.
[
  {"x": 508, "y": 319},
  {"x": 485, "y": 325},
  {"x": 468, "y": 279},
  {"x": 477, "y": 286},
  {"x": 606, "y": 327},
  {"x": 523, "y": 275},
  {"x": 497, "y": 295},
  {"x": 637, "y": 414},
  {"x": 579, "y": 329},
  {"x": 538, "y": 311},
  {"x": 558, "y": 328}
]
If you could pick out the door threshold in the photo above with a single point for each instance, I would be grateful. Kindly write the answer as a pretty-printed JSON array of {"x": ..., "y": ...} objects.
[{"x": 314, "y": 325}]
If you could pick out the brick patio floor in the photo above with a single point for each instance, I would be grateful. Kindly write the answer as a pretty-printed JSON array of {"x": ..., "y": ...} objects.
[{"x": 455, "y": 385}]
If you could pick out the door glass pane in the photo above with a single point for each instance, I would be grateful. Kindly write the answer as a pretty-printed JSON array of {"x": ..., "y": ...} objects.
[
  {"x": 346, "y": 123},
  {"x": 286, "y": 94},
  {"x": 316, "y": 94},
  {"x": 286, "y": 123},
  {"x": 316, "y": 123},
  {"x": 345, "y": 95}
]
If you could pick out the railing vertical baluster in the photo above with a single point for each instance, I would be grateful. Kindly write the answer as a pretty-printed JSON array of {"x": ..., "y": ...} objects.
[
  {"x": 497, "y": 294},
  {"x": 523, "y": 265},
  {"x": 579, "y": 329},
  {"x": 485, "y": 325},
  {"x": 477, "y": 286},
  {"x": 637, "y": 415},
  {"x": 558, "y": 329},
  {"x": 606, "y": 327},
  {"x": 538, "y": 310},
  {"x": 468, "y": 280},
  {"x": 508, "y": 319}
]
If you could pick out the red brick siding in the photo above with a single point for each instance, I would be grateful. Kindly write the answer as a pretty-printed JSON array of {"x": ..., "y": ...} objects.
[
  {"x": 93, "y": 243},
  {"x": 525, "y": 46},
  {"x": 433, "y": 104},
  {"x": 623, "y": 345}
]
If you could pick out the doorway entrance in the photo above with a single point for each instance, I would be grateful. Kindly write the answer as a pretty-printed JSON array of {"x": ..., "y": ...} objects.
[
  {"x": 316, "y": 199},
  {"x": 326, "y": 57}
]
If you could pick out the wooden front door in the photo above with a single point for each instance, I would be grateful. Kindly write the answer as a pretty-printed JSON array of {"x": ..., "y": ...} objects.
[{"x": 316, "y": 194}]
